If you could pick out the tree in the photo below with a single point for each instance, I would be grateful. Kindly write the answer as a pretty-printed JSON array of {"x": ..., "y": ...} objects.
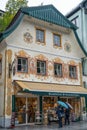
[
  {"x": 11, "y": 9},
  {"x": 12, "y": 6},
  {"x": 5, "y": 20}
]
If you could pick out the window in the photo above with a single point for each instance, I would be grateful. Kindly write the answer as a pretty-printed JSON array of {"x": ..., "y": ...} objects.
[
  {"x": 40, "y": 35},
  {"x": 57, "y": 40},
  {"x": 22, "y": 65},
  {"x": 58, "y": 69},
  {"x": 75, "y": 20},
  {"x": 72, "y": 71},
  {"x": 0, "y": 66},
  {"x": 41, "y": 67}
]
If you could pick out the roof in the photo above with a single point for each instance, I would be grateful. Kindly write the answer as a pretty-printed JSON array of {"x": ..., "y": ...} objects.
[
  {"x": 77, "y": 8},
  {"x": 52, "y": 89},
  {"x": 47, "y": 13}
]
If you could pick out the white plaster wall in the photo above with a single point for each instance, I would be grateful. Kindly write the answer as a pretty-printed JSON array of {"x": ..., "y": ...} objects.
[
  {"x": 16, "y": 39},
  {"x": 16, "y": 43}
]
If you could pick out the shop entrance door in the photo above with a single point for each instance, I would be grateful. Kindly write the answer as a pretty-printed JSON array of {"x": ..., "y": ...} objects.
[
  {"x": 25, "y": 110},
  {"x": 20, "y": 112}
]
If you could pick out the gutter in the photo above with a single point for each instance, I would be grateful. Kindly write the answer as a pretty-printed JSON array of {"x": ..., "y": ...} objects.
[{"x": 83, "y": 49}]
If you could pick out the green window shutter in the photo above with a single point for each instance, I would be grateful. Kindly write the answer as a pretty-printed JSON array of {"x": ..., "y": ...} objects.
[{"x": 13, "y": 103}]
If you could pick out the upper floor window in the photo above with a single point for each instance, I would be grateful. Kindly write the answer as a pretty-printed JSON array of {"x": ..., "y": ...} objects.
[
  {"x": 58, "y": 69},
  {"x": 41, "y": 67},
  {"x": 0, "y": 66},
  {"x": 72, "y": 71},
  {"x": 22, "y": 65},
  {"x": 40, "y": 35},
  {"x": 57, "y": 40}
]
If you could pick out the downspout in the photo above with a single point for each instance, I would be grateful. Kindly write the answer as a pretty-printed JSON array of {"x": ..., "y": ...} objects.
[{"x": 82, "y": 21}]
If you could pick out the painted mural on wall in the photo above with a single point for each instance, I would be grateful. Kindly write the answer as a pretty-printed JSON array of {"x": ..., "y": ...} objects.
[
  {"x": 32, "y": 65},
  {"x": 9, "y": 83},
  {"x": 28, "y": 37}
]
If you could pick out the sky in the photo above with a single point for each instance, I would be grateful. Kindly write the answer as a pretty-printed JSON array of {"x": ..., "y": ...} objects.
[{"x": 64, "y": 6}]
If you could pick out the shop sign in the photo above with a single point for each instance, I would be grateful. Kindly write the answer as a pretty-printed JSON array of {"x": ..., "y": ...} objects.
[{"x": 63, "y": 94}]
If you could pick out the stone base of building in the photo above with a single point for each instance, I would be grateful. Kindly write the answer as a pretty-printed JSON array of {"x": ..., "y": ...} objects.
[{"x": 5, "y": 122}]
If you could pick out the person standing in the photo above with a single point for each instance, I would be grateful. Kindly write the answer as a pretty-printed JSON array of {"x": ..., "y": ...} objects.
[
  {"x": 67, "y": 116},
  {"x": 59, "y": 114}
]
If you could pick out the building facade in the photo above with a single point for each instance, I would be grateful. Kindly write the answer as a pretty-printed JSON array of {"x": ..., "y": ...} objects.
[
  {"x": 78, "y": 16},
  {"x": 39, "y": 65}
]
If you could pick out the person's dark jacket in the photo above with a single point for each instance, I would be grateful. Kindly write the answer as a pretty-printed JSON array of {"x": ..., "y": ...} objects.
[{"x": 58, "y": 112}]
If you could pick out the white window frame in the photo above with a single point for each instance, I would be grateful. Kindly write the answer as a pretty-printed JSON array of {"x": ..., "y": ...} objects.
[
  {"x": 58, "y": 69},
  {"x": 41, "y": 66},
  {"x": 56, "y": 40},
  {"x": 72, "y": 72},
  {"x": 23, "y": 66},
  {"x": 40, "y": 35}
]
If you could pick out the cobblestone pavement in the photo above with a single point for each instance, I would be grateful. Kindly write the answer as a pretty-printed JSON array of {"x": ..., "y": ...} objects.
[{"x": 82, "y": 125}]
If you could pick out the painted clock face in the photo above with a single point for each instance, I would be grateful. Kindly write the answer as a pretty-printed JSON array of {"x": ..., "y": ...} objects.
[{"x": 67, "y": 47}]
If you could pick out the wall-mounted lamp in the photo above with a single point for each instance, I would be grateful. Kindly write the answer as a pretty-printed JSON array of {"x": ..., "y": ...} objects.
[{"x": 11, "y": 68}]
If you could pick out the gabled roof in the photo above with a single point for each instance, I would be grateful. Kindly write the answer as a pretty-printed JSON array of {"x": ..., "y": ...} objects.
[{"x": 47, "y": 13}]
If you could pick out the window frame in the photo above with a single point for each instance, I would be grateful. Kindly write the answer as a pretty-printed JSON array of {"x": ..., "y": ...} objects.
[
  {"x": 22, "y": 66},
  {"x": 59, "y": 72},
  {"x": 73, "y": 74},
  {"x": 56, "y": 35},
  {"x": 40, "y": 38},
  {"x": 41, "y": 73}
]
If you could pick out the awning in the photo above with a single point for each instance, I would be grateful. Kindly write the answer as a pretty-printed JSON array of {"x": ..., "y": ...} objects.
[{"x": 52, "y": 89}]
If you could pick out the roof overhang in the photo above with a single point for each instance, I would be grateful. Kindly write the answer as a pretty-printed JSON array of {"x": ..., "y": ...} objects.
[{"x": 51, "y": 89}]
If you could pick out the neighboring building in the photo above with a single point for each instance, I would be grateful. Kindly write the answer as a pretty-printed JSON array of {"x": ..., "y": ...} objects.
[
  {"x": 39, "y": 65},
  {"x": 1, "y": 13},
  {"x": 78, "y": 16}
]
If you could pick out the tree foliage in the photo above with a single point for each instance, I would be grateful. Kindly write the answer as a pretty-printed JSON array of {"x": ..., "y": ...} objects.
[
  {"x": 12, "y": 6},
  {"x": 11, "y": 9},
  {"x": 5, "y": 20}
]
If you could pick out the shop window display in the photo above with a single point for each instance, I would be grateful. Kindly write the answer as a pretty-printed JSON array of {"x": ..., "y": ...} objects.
[
  {"x": 49, "y": 109},
  {"x": 20, "y": 111}
]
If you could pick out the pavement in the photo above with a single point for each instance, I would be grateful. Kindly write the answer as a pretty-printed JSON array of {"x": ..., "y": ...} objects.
[{"x": 81, "y": 125}]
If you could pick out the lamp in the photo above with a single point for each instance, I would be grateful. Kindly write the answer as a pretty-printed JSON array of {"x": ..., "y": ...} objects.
[{"x": 10, "y": 66}]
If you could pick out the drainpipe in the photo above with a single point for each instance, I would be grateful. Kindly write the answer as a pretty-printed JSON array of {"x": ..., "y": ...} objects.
[{"x": 82, "y": 25}]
